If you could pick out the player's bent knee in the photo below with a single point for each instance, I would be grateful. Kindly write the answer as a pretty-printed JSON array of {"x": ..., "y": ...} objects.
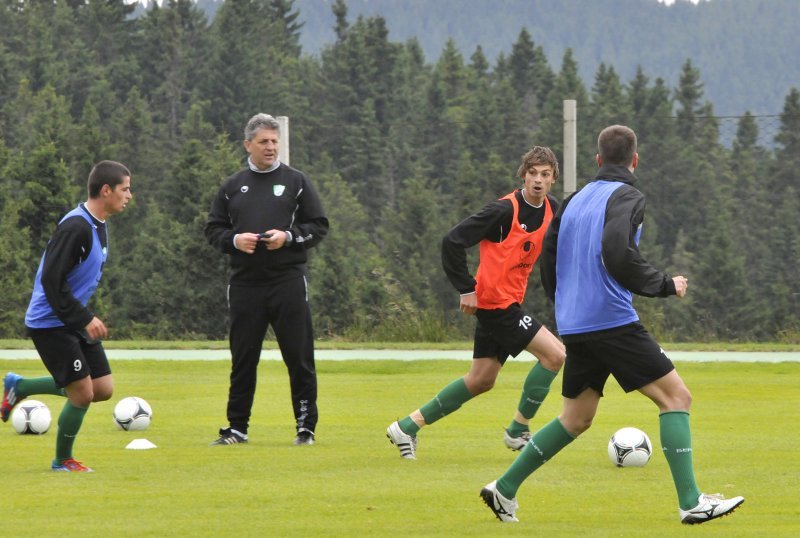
[
  {"x": 553, "y": 361},
  {"x": 676, "y": 401},
  {"x": 103, "y": 388},
  {"x": 82, "y": 400},
  {"x": 576, "y": 426},
  {"x": 682, "y": 400},
  {"x": 102, "y": 396},
  {"x": 480, "y": 386}
]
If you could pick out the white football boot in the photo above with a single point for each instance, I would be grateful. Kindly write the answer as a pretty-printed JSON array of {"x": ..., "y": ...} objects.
[
  {"x": 503, "y": 508},
  {"x": 709, "y": 506},
  {"x": 406, "y": 443}
]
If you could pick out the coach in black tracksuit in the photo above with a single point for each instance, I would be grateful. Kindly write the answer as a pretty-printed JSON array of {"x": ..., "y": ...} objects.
[{"x": 265, "y": 217}]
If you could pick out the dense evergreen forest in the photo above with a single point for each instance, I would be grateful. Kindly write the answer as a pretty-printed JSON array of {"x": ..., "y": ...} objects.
[{"x": 399, "y": 149}]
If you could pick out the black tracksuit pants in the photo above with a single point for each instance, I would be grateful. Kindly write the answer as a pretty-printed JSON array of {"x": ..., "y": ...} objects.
[{"x": 283, "y": 305}]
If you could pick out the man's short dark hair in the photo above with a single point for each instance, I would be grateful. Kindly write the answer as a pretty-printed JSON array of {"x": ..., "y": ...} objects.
[
  {"x": 109, "y": 173},
  {"x": 617, "y": 145}
]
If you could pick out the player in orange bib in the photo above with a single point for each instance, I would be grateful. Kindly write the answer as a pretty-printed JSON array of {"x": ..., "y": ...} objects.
[{"x": 510, "y": 232}]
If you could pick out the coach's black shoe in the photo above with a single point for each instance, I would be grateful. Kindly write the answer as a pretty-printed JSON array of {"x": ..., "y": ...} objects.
[
  {"x": 304, "y": 437},
  {"x": 228, "y": 436}
]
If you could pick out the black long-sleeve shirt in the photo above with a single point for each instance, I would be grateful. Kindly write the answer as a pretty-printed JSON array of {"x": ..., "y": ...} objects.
[
  {"x": 624, "y": 214},
  {"x": 248, "y": 201},
  {"x": 491, "y": 223}
]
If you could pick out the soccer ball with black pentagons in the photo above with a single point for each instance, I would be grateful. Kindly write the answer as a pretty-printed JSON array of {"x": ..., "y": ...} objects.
[
  {"x": 132, "y": 414},
  {"x": 31, "y": 417},
  {"x": 629, "y": 447}
]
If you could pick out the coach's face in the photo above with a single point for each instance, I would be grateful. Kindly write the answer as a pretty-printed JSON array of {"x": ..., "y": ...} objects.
[{"x": 263, "y": 148}]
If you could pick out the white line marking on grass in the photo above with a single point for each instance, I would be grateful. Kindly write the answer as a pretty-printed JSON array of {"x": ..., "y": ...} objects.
[{"x": 395, "y": 354}]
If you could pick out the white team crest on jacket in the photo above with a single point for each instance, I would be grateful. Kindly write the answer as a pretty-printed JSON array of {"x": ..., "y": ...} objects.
[
  {"x": 245, "y": 188},
  {"x": 278, "y": 189}
]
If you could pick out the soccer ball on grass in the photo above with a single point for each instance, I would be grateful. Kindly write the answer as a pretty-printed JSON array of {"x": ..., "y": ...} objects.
[
  {"x": 31, "y": 417},
  {"x": 132, "y": 414},
  {"x": 629, "y": 447}
]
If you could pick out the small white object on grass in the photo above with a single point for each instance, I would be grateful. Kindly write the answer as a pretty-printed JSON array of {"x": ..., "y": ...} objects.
[{"x": 140, "y": 444}]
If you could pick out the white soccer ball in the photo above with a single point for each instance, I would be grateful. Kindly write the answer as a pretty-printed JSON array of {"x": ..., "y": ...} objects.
[
  {"x": 31, "y": 417},
  {"x": 629, "y": 447},
  {"x": 132, "y": 414}
]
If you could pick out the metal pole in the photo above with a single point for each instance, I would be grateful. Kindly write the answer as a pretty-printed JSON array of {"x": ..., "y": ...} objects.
[
  {"x": 283, "y": 141},
  {"x": 570, "y": 146}
]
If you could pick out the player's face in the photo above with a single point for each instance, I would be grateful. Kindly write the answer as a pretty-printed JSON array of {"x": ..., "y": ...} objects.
[
  {"x": 263, "y": 148},
  {"x": 538, "y": 180},
  {"x": 117, "y": 198}
]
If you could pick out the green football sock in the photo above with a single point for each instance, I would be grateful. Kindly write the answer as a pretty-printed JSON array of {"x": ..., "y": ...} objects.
[
  {"x": 516, "y": 429},
  {"x": 408, "y": 426},
  {"x": 69, "y": 423},
  {"x": 676, "y": 439},
  {"x": 534, "y": 391},
  {"x": 448, "y": 400},
  {"x": 38, "y": 385},
  {"x": 544, "y": 444}
]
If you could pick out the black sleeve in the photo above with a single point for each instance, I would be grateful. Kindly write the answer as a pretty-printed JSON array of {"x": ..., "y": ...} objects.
[
  {"x": 621, "y": 256},
  {"x": 547, "y": 259},
  {"x": 492, "y": 223},
  {"x": 311, "y": 225},
  {"x": 70, "y": 244},
  {"x": 218, "y": 228},
  {"x": 554, "y": 204}
]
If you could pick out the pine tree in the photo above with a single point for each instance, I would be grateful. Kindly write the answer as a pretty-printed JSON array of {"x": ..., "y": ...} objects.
[
  {"x": 172, "y": 46},
  {"x": 531, "y": 76},
  {"x": 16, "y": 261},
  {"x": 609, "y": 103},
  {"x": 44, "y": 192},
  {"x": 347, "y": 270},
  {"x": 174, "y": 266},
  {"x": 688, "y": 96},
  {"x": 747, "y": 162},
  {"x": 252, "y": 64},
  {"x": 788, "y": 139},
  {"x": 568, "y": 85}
]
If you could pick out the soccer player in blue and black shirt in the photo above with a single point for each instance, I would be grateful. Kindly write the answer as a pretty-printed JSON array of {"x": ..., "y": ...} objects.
[{"x": 64, "y": 330}]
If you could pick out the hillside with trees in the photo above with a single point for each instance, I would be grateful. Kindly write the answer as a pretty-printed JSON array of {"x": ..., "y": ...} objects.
[
  {"x": 746, "y": 49},
  {"x": 399, "y": 147}
]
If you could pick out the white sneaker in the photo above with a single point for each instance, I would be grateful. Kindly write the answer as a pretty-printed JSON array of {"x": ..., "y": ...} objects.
[
  {"x": 709, "y": 506},
  {"x": 503, "y": 508},
  {"x": 406, "y": 443},
  {"x": 516, "y": 443}
]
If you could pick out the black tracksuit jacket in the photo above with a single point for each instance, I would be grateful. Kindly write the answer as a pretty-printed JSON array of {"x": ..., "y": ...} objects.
[{"x": 283, "y": 199}]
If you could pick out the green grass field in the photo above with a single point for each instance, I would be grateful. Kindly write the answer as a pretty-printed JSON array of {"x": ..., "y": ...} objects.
[{"x": 353, "y": 482}]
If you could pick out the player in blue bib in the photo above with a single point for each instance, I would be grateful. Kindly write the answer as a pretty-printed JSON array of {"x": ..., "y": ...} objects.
[{"x": 65, "y": 332}]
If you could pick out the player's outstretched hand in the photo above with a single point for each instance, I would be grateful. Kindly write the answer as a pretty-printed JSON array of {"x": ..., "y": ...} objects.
[{"x": 680, "y": 285}]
